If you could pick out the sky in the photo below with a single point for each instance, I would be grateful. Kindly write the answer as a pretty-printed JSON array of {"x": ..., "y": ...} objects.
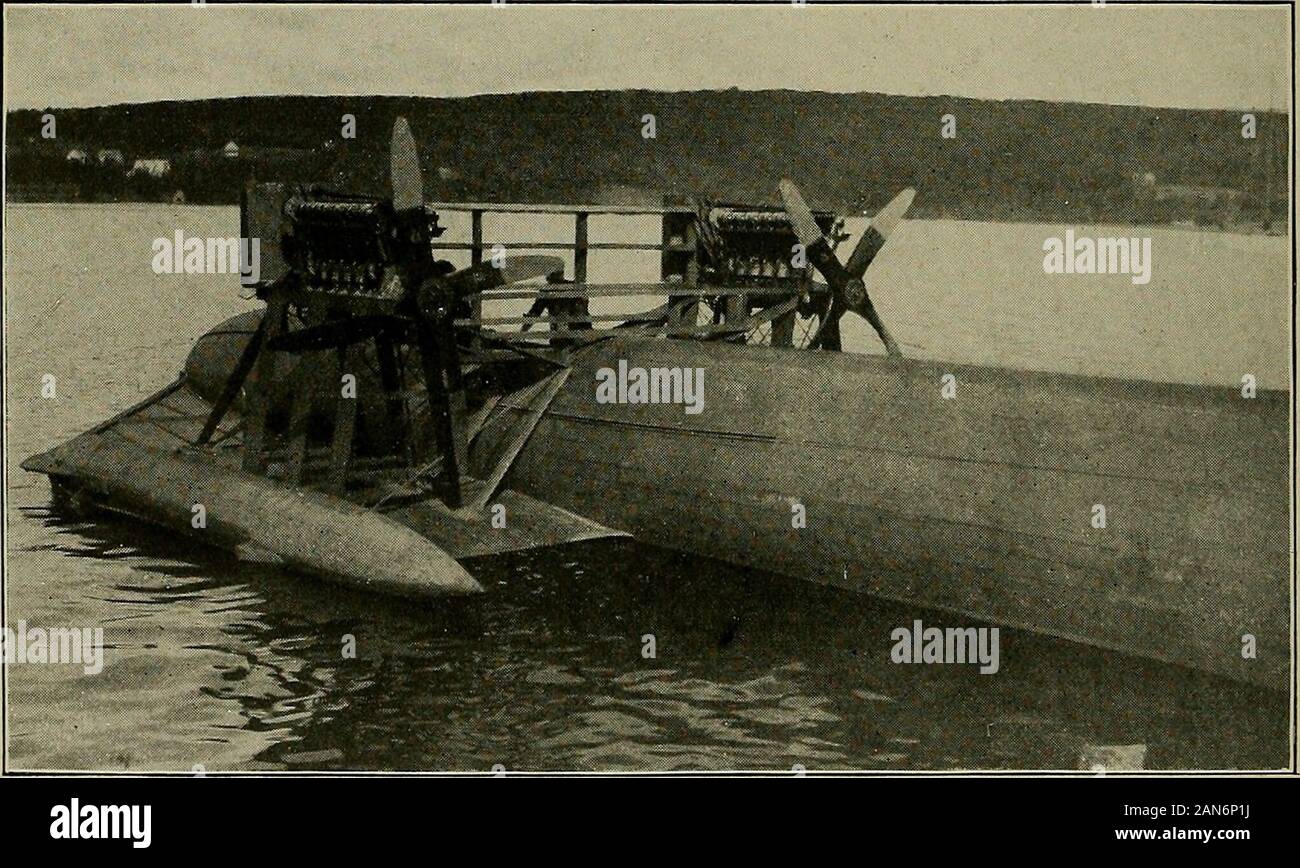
[{"x": 1223, "y": 56}]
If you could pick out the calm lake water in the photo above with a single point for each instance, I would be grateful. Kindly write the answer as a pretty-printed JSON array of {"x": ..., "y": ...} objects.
[{"x": 214, "y": 663}]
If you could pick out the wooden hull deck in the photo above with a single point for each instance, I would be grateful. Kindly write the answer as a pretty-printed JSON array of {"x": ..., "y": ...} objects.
[{"x": 983, "y": 504}]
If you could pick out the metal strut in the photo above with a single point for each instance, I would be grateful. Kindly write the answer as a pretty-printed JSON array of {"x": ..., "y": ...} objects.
[{"x": 522, "y": 433}]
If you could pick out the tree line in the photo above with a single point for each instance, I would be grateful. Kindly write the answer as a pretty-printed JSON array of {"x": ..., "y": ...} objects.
[{"x": 972, "y": 159}]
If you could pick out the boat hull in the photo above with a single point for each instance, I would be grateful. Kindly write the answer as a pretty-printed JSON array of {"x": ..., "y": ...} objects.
[{"x": 988, "y": 503}]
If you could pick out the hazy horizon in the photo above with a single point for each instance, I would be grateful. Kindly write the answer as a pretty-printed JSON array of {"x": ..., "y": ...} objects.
[
  {"x": 954, "y": 96},
  {"x": 1209, "y": 56}
]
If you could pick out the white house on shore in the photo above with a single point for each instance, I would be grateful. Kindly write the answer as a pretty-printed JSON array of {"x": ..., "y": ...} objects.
[{"x": 151, "y": 167}]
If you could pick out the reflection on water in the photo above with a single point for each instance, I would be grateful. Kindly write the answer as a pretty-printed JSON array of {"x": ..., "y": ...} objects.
[
  {"x": 225, "y": 665},
  {"x": 228, "y": 665}
]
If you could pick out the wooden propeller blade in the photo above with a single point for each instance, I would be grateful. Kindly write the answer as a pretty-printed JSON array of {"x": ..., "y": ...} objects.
[
  {"x": 801, "y": 216},
  {"x": 867, "y": 311},
  {"x": 822, "y": 257},
  {"x": 876, "y": 234},
  {"x": 338, "y": 333},
  {"x": 408, "y": 180},
  {"x": 817, "y": 246},
  {"x": 828, "y": 326},
  {"x": 486, "y": 275}
]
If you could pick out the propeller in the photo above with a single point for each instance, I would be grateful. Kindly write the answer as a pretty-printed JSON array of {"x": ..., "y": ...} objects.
[
  {"x": 847, "y": 291},
  {"x": 408, "y": 198},
  {"x": 404, "y": 166},
  {"x": 427, "y": 311},
  {"x": 434, "y": 295}
]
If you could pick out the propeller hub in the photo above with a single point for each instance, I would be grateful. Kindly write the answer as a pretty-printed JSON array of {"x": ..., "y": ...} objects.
[{"x": 854, "y": 292}]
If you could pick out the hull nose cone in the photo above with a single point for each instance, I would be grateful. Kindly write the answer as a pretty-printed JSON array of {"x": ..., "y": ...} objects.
[
  {"x": 461, "y": 583},
  {"x": 445, "y": 577}
]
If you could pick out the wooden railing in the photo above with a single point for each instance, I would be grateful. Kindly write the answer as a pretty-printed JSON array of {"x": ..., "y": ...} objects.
[
  {"x": 679, "y": 264},
  {"x": 679, "y": 284}
]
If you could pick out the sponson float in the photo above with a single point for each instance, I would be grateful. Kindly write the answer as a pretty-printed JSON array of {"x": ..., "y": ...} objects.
[{"x": 374, "y": 424}]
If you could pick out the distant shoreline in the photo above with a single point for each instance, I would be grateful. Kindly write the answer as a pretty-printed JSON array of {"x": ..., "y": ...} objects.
[{"x": 993, "y": 161}]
